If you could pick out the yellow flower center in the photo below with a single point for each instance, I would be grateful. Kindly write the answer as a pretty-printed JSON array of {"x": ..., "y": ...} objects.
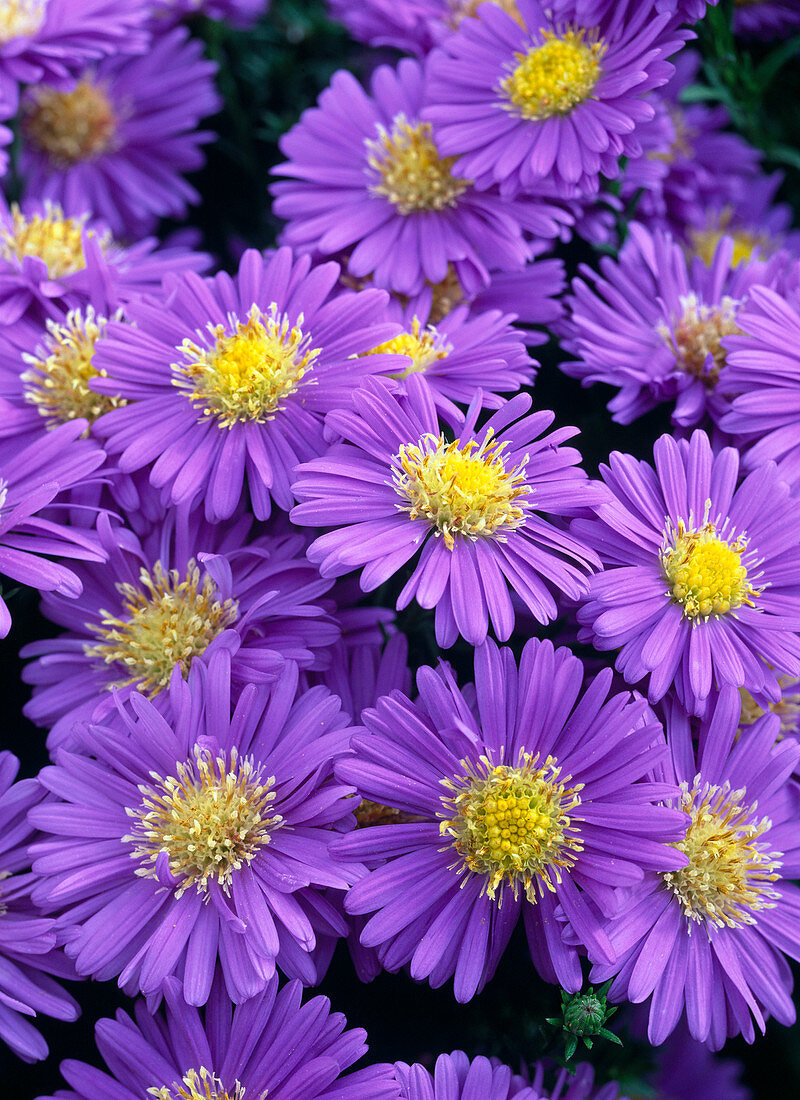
[
  {"x": 555, "y": 76},
  {"x": 54, "y": 238},
  {"x": 71, "y": 127},
  {"x": 461, "y": 489},
  {"x": 167, "y": 620},
  {"x": 413, "y": 176},
  {"x": 202, "y": 1085},
  {"x": 728, "y": 876},
  {"x": 746, "y": 242},
  {"x": 696, "y": 337},
  {"x": 704, "y": 572},
  {"x": 250, "y": 369},
  {"x": 62, "y": 367},
  {"x": 787, "y": 707},
  {"x": 211, "y": 819},
  {"x": 21, "y": 18},
  {"x": 463, "y": 9},
  {"x": 512, "y": 824},
  {"x": 420, "y": 347}
]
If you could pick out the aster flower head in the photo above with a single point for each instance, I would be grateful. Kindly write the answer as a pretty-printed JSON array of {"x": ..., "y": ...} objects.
[
  {"x": 368, "y": 179},
  {"x": 238, "y": 13},
  {"x": 216, "y": 827},
  {"x": 272, "y": 1046},
  {"x": 765, "y": 18},
  {"x": 406, "y": 25},
  {"x": 700, "y": 585},
  {"x": 502, "y": 107},
  {"x": 228, "y": 379},
  {"x": 654, "y": 324},
  {"x": 527, "y": 801},
  {"x": 178, "y": 594},
  {"x": 119, "y": 139},
  {"x": 477, "y": 508},
  {"x": 29, "y": 957},
  {"x": 708, "y": 941}
]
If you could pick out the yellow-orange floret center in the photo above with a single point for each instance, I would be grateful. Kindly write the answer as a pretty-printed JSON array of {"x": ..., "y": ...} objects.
[
  {"x": 199, "y": 1084},
  {"x": 250, "y": 369},
  {"x": 21, "y": 18},
  {"x": 462, "y": 490},
  {"x": 71, "y": 127},
  {"x": 465, "y": 9},
  {"x": 554, "y": 77},
  {"x": 167, "y": 620},
  {"x": 413, "y": 176},
  {"x": 422, "y": 348},
  {"x": 696, "y": 337},
  {"x": 211, "y": 819},
  {"x": 787, "y": 707},
  {"x": 54, "y": 238},
  {"x": 705, "y": 572},
  {"x": 746, "y": 242},
  {"x": 513, "y": 824},
  {"x": 729, "y": 875},
  {"x": 57, "y": 381}
]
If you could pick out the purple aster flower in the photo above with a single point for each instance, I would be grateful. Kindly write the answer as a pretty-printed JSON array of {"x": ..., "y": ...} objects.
[
  {"x": 238, "y": 13},
  {"x": 450, "y": 887},
  {"x": 701, "y": 585},
  {"x": 475, "y": 507},
  {"x": 654, "y": 322},
  {"x": 763, "y": 380},
  {"x": 31, "y": 479},
  {"x": 455, "y": 1077},
  {"x": 361, "y": 674},
  {"x": 503, "y": 108},
  {"x": 181, "y": 592},
  {"x": 228, "y": 379},
  {"x": 272, "y": 1046},
  {"x": 28, "y": 953},
  {"x": 369, "y": 180},
  {"x": 118, "y": 141},
  {"x": 213, "y": 830},
  {"x": 766, "y": 18},
  {"x": 686, "y": 1068},
  {"x": 709, "y": 939},
  {"x": 404, "y": 24},
  {"x": 51, "y": 40}
]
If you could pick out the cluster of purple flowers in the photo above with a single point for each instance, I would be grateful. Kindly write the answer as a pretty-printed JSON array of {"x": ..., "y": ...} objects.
[{"x": 257, "y": 485}]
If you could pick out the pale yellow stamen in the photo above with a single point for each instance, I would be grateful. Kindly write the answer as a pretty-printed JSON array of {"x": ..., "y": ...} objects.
[
  {"x": 250, "y": 369},
  {"x": 704, "y": 570},
  {"x": 554, "y": 77},
  {"x": 211, "y": 819},
  {"x": 413, "y": 176},
  {"x": 167, "y": 620},
  {"x": 728, "y": 877},
  {"x": 464, "y": 9},
  {"x": 54, "y": 238},
  {"x": 62, "y": 367},
  {"x": 21, "y": 18},
  {"x": 422, "y": 348},
  {"x": 462, "y": 490},
  {"x": 695, "y": 337},
  {"x": 71, "y": 127},
  {"x": 202, "y": 1085},
  {"x": 787, "y": 707},
  {"x": 513, "y": 825}
]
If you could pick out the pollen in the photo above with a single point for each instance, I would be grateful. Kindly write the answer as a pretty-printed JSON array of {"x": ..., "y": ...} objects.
[
  {"x": 705, "y": 571},
  {"x": 21, "y": 18},
  {"x": 167, "y": 620},
  {"x": 554, "y": 77},
  {"x": 60, "y": 370},
  {"x": 211, "y": 818},
  {"x": 513, "y": 825},
  {"x": 200, "y": 1085},
  {"x": 413, "y": 176},
  {"x": 54, "y": 238},
  {"x": 462, "y": 490},
  {"x": 422, "y": 348},
  {"x": 71, "y": 127},
  {"x": 695, "y": 338},
  {"x": 729, "y": 875},
  {"x": 249, "y": 369}
]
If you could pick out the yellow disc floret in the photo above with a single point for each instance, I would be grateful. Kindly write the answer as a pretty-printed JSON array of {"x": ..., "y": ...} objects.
[
  {"x": 746, "y": 242},
  {"x": 466, "y": 9},
  {"x": 421, "y": 347},
  {"x": 249, "y": 370},
  {"x": 211, "y": 818},
  {"x": 413, "y": 176},
  {"x": 200, "y": 1085},
  {"x": 21, "y": 18},
  {"x": 462, "y": 490},
  {"x": 705, "y": 572},
  {"x": 552, "y": 78},
  {"x": 71, "y": 127},
  {"x": 167, "y": 620},
  {"x": 57, "y": 381},
  {"x": 54, "y": 238},
  {"x": 729, "y": 874},
  {"x": 787, "y": 707},
  {"x": 513, "y": 825},
  {"x": 695, "y": 337}
]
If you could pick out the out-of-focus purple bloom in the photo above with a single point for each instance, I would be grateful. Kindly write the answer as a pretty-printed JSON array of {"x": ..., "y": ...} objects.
[
  {"x": 685, "y": 1068},
  {"x": 118, "y": 141},
  {"x": 238, "y": 13},
  {"x": 557, "y": 778},
  {"x": 766, "y": 18},
  {"x": 477, "y": 509}
]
